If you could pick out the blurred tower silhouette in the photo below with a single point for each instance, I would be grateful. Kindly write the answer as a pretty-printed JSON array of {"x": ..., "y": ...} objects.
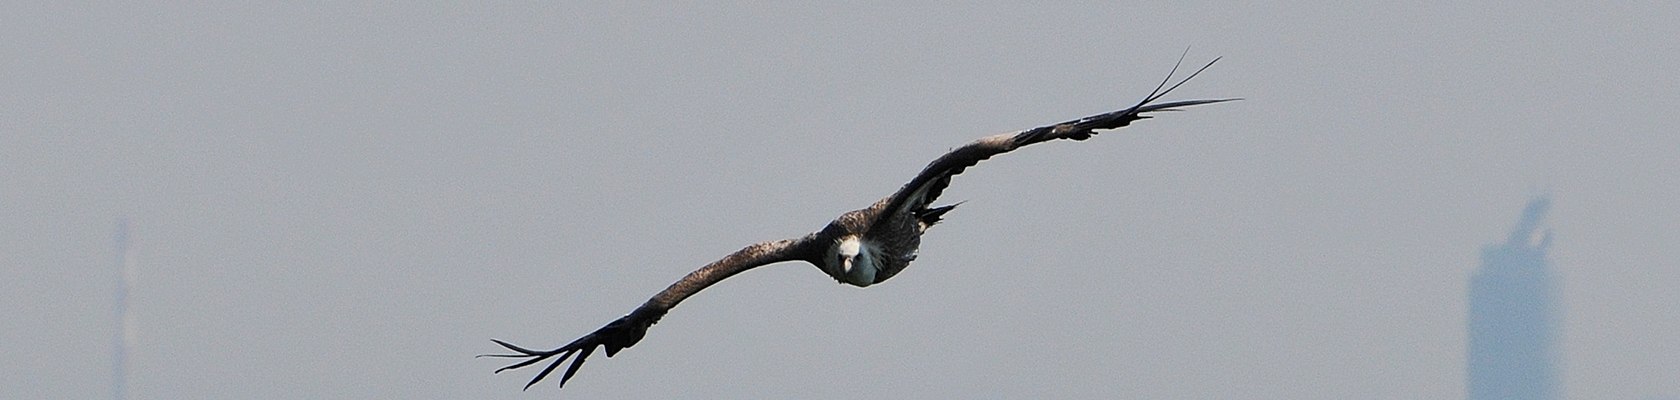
[
  {"x": 120, "y": 339},
  {"x": 1512, "y": 316}
]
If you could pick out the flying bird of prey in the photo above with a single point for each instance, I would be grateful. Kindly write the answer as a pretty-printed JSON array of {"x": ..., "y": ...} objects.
[{"x": 860, "y": 248}]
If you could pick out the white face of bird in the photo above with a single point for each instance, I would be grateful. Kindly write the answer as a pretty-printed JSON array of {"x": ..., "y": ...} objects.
[
  {"x": 846, "y": 252},
  {"x": 849, "y": 261}
]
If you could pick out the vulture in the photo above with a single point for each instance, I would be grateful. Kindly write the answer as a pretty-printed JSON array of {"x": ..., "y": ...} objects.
[{"x": 861, "y": 247}]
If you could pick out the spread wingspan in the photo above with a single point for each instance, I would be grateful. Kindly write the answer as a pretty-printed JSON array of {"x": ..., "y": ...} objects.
[{"x": 892, "y": 227}]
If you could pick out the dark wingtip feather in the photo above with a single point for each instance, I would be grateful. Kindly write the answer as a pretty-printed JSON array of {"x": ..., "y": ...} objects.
[
  {"x": 549, "y": 369},
  {"x": 521, "y": 364},
  {"x": 511, "y": 346},
  {"x": 572, "y": 370},
  {"x": 1174, "y": 105}
]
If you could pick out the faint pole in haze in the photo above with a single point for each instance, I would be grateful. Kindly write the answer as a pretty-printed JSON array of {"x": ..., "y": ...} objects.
[
  {"x": 121, "y": 337},
  {"x": 1513, "y": 316}
]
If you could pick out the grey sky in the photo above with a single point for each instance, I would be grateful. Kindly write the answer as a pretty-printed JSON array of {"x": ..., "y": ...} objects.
[{"x": 348, "y": 201}]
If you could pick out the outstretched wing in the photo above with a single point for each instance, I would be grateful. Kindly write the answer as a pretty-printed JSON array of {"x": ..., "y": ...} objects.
[
  {"x": 627, "y": 330},
  {"x": 921, "y": 191}
]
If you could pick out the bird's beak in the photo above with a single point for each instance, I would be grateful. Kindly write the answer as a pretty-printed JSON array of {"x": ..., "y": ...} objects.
[{"x": 846, "y": 263}]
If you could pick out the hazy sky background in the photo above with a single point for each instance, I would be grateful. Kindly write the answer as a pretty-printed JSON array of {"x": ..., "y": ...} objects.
[{"x": 349, "y": 201}]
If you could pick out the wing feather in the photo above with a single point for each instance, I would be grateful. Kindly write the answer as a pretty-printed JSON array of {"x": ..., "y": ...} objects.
[
  {"x": 921, "y": 191},
  {"x": 629, "y": 329}
]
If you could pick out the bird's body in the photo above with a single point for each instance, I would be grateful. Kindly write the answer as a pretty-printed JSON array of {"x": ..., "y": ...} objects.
[
  {"x": 860, "y": 248},
  {"x": 875, "y": 243}
]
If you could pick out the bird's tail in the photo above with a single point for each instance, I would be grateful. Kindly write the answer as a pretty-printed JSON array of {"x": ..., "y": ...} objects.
[{"x": 931, "y": 216}]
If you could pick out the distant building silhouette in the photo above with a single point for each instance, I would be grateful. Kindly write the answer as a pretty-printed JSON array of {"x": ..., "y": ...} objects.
[
  {"x": 1513, "y": 320},
  {"x": 120, "y": 337}
]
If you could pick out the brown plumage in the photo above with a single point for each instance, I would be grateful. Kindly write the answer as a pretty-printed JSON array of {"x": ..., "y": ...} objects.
[{"x": 861, "y": 247}]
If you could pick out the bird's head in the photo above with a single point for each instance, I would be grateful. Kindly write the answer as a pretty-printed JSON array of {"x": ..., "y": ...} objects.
[
  {"x": 846, "y": 252},
  {"x": 850, "y": 262}
]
